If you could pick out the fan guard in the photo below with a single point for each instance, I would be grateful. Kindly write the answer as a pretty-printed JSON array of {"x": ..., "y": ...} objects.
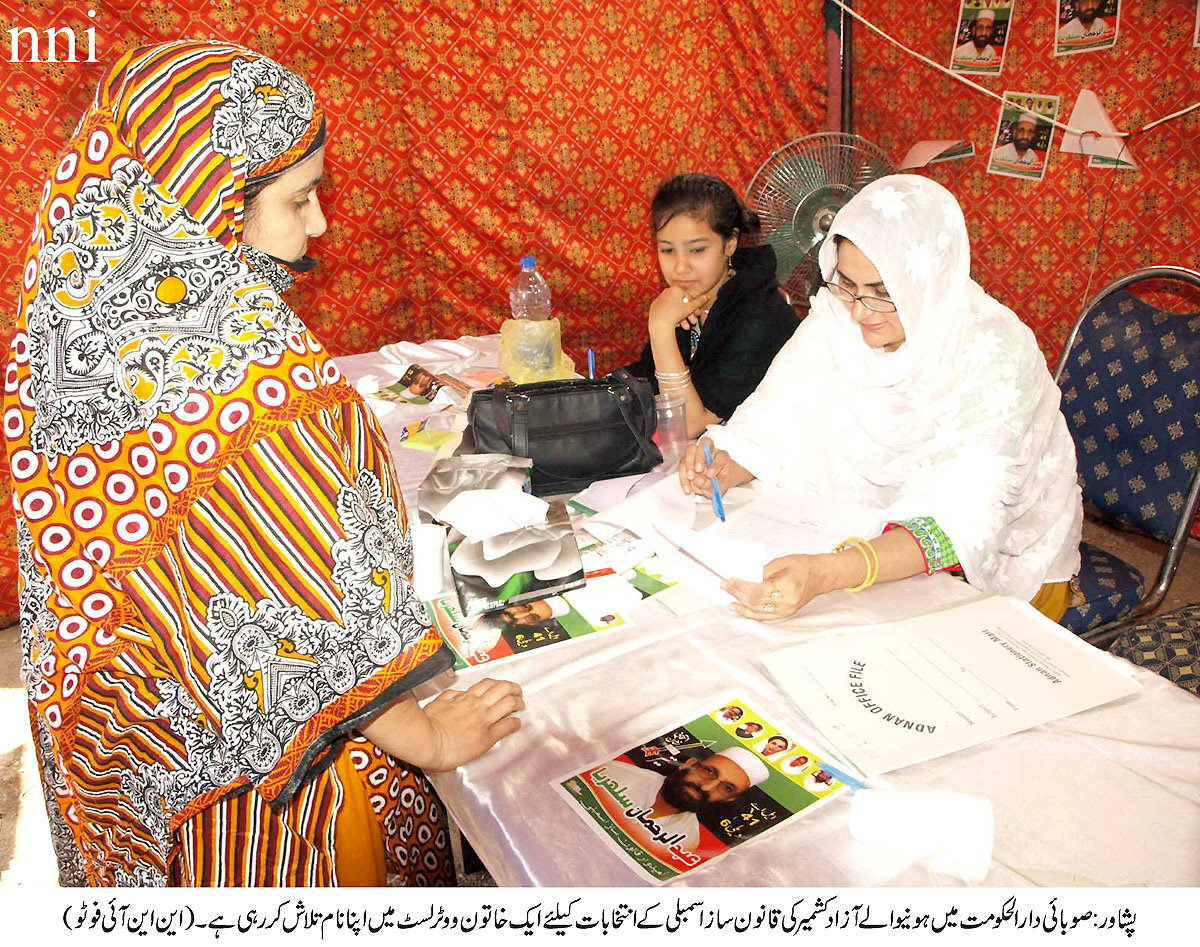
[{"x": 797, "y": 191}]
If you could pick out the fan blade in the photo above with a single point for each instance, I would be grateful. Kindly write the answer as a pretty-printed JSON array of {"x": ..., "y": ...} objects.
[{"x": 798, "y": 190}]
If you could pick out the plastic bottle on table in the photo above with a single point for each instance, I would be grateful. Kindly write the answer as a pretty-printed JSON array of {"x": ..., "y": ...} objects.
[
  {"x": 529, "y": 297},
  {"x": 531, "y": 341}
]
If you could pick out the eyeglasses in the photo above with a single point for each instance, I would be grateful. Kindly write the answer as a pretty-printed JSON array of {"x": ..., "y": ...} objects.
[{"x": 874, "y": 303}]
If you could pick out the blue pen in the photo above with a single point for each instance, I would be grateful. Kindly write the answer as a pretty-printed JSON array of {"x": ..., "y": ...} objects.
[
  {"x": 717, "y": 502},
  {"x": 591, "y": 363},
  {"x": 843, "y": 777}
]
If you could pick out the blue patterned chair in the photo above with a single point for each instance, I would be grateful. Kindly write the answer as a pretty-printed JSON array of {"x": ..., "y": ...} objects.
[
  {"x": 1130, "y": 378},
  {"x": 1166, "y": 644}
]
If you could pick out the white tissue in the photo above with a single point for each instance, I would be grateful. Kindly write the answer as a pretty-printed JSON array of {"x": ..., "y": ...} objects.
[
  {"x": 429, "y": 559},
  {"x": 482, "y": 514},
  {"x": 469, "y": 559},
  {"x": 950, "y": 832}
]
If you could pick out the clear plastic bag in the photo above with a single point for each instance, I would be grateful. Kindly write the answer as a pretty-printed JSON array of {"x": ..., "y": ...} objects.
[{"x": 532, "y": 351}]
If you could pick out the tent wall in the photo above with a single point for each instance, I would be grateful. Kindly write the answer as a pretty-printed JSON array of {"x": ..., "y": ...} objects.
[{"x": 463, "y": 134}]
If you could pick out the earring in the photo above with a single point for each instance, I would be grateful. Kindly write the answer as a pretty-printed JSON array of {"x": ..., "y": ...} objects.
[{"x": 729, "y": 264}]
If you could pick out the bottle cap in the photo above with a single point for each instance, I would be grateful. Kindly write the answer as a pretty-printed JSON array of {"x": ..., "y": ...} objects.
[{"x": 528, "y": 262}]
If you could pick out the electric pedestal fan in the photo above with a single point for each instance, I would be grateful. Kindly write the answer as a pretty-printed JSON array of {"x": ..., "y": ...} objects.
[{"x": 798, "y": 190}]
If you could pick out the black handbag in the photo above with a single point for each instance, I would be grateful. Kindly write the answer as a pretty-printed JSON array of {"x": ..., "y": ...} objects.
[{"x": 576, "y": 431}]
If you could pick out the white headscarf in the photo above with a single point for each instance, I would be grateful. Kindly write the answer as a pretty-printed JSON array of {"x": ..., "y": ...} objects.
[{"x": 961, "y": 423}]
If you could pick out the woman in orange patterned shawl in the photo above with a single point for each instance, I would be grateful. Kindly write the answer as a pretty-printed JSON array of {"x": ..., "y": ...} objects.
[{"x": 220, "y": 633}]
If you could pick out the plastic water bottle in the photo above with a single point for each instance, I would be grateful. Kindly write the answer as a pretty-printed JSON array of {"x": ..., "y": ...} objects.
[
  {"x": 531, "y": 341},
  {"x": 529, "y": 297}
]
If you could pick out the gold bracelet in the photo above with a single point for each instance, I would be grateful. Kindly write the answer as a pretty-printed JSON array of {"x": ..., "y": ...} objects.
[
  {"x": 869, "y": 555},
  {"x": 673, "y": 376}
]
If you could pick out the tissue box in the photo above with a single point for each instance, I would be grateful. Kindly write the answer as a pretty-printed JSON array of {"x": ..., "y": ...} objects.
[{"x": 525, "y": 565}]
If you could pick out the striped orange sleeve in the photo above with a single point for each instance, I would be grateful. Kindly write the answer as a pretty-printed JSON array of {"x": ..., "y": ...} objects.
[{"x": 281, "y": 612}]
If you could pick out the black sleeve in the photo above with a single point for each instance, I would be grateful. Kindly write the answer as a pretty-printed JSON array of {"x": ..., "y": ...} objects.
[
  {"x": 728, "y": 375},
  {"x": 644, "y": 366}
]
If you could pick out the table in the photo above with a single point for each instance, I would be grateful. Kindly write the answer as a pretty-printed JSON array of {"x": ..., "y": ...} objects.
[
  {"x": 371, "y": 371},
  {"x": 1106, "y": 797}
]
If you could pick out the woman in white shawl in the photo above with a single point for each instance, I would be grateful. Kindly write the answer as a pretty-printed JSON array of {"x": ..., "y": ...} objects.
[{"x": 911, "y": 391}]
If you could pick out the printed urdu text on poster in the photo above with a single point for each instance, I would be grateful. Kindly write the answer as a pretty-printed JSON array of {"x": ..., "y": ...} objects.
[
  {"x": 1086, "y": 25},
  {"x": 685, "y": 797}
]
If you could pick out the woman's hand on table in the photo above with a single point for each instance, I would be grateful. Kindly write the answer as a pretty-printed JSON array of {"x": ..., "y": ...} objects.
[
  {"x": 453, "y": 728},
  {"x": 674, "y": 309},
  {"x": 788, "y": 584},
  {"x": 696, "y": 474},
  {"x": 468, "y": 723}
]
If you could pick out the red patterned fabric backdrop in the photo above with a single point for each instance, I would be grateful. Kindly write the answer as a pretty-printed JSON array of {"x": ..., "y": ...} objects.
[
  {"x": 467, "y": 132},
  {"x": 1033, "y": 243},
  {"x": 463, "y": 134}
]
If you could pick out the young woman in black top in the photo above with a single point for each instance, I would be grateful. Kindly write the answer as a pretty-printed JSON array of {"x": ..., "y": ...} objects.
[{"x": 716, "y": 327}]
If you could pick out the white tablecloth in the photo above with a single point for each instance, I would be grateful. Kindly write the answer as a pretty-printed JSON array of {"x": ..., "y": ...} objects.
[
  {"x": 371, "y": 371},
  {"x": 1106, "y": 797}
]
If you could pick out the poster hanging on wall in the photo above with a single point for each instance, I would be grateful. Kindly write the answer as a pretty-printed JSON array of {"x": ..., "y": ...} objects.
[
  {"x": 981, "y": 37},
  {"x": 1086, "y": 25},
  {"x": 1024, "y": 133}
]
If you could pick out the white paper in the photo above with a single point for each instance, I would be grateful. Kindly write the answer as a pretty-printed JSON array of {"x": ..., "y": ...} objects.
[
  {"x": 1089, "y": 115},
  {"x": 665, "y": 501},
  {"x": 789, "y": 522},
  {"x": 429, "y": 560},
  {"x": 725, "y": 555},
  {"x": 899, "y": 693},
  {"x": 482, "y": 514},
  {"x": 604, "y": 495},
  {"x": 925, "y": 153},
  {"x": 762, "y": 523}
]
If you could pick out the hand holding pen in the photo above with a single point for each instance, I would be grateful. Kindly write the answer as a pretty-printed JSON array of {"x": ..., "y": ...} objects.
[
  {"x": 698, "y": 472},
  {"x": 717, "y": 502}
]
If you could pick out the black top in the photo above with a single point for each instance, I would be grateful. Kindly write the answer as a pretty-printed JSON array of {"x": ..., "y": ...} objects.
[{"x": 747, "y": 325}]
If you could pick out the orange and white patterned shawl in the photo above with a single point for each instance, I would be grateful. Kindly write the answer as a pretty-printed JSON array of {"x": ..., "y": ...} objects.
[{"x": 214, "y": 561}]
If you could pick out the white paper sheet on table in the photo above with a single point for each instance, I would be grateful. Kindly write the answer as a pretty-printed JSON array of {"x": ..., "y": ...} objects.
[
  {"x": 663, "y": 502},
  {"x": 763, "y": 524},
  {"x": 789, "y": 522},
  {"x": 605, "y": 495},
  {"x": 900, "y": 693},
  {"x": 727, "y": 557}
]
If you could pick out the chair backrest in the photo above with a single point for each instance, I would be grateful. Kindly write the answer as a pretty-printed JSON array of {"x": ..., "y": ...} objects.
[{"x": 1130, "y": 378}]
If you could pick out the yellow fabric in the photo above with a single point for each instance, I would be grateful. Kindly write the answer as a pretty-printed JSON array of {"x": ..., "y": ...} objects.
[
  {"x": 357, "y": 837},
  {"x": 1052, "y": 599}
]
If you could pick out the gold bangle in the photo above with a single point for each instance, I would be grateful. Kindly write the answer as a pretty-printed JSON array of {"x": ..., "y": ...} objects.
[
  {"x": 672, "y": 376},
  {"x": 869, "y": 555}
]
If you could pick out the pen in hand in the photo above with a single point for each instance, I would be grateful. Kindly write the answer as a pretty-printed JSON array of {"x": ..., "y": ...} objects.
[{"x": 717, "y": 503}]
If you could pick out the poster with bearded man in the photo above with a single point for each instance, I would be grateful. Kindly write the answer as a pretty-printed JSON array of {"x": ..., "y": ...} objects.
[
  {"x": 979, "y": 43},
  {"x": 1024, "y": 135},
  {"x": 678, "y": 800},
  {"x": 1086, "y": 25}
]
